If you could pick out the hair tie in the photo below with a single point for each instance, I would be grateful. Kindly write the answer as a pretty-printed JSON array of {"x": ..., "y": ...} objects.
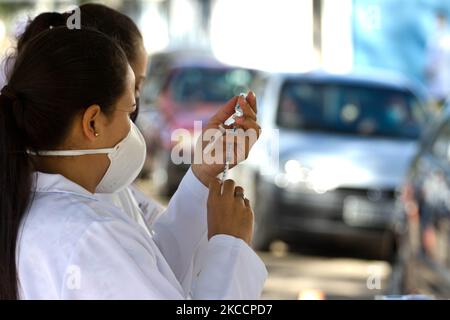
[
  {"x": 17, "y": 106},
  {"x": 8, "y": 93}
]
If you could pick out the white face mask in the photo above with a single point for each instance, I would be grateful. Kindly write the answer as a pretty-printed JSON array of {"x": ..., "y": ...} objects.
[{"x": 127, "y": 159}]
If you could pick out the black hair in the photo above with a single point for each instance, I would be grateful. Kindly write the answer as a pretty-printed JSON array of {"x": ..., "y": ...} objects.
[
  {"x": 118, "y": 26},
  {"x": 114, "y": 24},
  {"x": 57, "y": 74},
  {"x": 102, "y": 18}
]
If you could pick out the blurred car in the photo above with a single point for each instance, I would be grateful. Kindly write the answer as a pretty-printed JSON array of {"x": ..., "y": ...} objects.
[
  {"x": 345, "y": 143},
  {"x": 423, "y": 261},
  {"x": 183, "y": 87}
]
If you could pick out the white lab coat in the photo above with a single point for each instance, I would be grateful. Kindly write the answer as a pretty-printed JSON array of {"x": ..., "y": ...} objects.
[{"x": 76, "y": 245}]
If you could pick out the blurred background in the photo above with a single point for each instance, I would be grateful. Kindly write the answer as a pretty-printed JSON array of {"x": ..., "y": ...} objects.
[{"x": 350, "y": 181}]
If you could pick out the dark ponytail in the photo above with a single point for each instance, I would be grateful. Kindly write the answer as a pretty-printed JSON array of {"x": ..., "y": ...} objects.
[
  {"x": 42, "y": 22},
  {"x": 57, "y": 74},
  {"x": 15, "y": 185}
]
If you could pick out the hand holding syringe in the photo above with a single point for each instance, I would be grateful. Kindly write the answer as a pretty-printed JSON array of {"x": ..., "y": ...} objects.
[
  {"x": 210, "y": 163},
  {"x": 231, "y": 121},
  {"x": 228, "y": 122},
  {"x": 229, "y": 212}
]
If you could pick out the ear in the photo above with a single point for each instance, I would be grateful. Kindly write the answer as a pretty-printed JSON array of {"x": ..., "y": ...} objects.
[{"x": 91, "y": 122}]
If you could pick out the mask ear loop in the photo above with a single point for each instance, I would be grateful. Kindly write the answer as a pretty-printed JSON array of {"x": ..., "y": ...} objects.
[
  {"x": 66, "y": 153},
  {"x": 69, "y": 153}
]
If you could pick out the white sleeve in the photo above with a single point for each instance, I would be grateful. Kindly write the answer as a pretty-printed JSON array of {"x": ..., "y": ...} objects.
[
  {"x": 181, "y": 235},
  {"x": 182, "y": 228},
  {"x": 112, "y": 261},
  {"x": 231, "y": 270}
]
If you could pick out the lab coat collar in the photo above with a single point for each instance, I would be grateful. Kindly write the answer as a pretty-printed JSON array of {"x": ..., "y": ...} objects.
[{"x": 46, "y": 182}]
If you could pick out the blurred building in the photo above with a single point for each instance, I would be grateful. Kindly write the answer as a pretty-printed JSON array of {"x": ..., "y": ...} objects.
[{"x": 286, "y": 35}]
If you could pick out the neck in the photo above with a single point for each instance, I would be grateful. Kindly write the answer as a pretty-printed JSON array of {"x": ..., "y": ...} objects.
[{"x": 82, "y": 170}]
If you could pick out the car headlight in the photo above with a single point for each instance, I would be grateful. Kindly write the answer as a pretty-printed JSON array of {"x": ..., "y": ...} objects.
[
  {"x": 295, "y": 172},
  {"x": 298, "y": 176}
]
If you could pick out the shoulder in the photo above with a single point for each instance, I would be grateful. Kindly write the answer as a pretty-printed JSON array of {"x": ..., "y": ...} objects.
[
  {"x": 52, "y": 248},
  {"x": 55, "y": 222}
]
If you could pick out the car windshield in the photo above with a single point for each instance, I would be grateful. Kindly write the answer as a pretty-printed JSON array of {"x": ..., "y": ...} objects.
[
  {"x": 208, "y": 84},
  {"x": 350, "y": 109}
]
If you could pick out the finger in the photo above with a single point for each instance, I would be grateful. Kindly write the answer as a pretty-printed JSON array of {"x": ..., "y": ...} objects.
[
  {"x": 239, "y": 194},
  {"x": 247, "y": 203},
  {"x": 251, "y": 99},
  {"x": 242, "y": 142},
  {"x": 225, "y": 111},
  {"x": 214, "y": 187},
  {"x": 248, "y": 111},
  {"x": 228, "y": 188},
  {"x": 246, "y": 124}
]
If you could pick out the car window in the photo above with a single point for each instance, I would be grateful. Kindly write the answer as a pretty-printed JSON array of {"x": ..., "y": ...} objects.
[
  {"x": 209, "y": 84},
  {"x": 350, "y": 109}
]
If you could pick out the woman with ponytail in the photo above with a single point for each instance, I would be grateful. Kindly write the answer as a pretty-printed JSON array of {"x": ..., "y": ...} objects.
[
  {"x": 15, "y": 185},
  {"x": 66, "y": 135}
]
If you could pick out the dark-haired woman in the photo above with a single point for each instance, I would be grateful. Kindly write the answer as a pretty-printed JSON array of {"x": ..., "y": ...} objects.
[
  {"x": 66, "y": 134},
  {"x": 184, "y": 220}
]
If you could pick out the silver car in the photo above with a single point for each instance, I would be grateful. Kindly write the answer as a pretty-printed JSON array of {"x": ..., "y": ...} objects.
[{"x": 333, "y": 152}]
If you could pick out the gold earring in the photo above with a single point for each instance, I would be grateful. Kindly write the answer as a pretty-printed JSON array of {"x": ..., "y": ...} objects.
[{"x": 96, "y": 134}]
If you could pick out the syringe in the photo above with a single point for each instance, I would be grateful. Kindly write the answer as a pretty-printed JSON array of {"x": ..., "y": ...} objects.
[{"x": 238, "y": 112}]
